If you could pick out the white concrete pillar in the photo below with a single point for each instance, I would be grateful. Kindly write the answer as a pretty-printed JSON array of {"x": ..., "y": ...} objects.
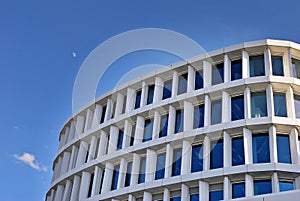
[
  {"x": 169, "y": 161},
  {"x": 107, "y": 180},
  {"x": 191, "y": 79},
  {"x": 75, "y": 189},
  {"x": 59, "y": 193},
  {"x": 147, "y": 196},
  {"x": 188, "y": 116},
  {"x": 150, "y": 165},
  {"x": 268, "y": 62},
  {"x": 88, "y": 120},
  {"x": 227, "y": 188},
  {"x": 135, "y": 169},
  {"x": 290, "y": 106},
  {"x": 273, "y": 144},
  {"x": 275, "y": 183},
  {"x": 297, "y": 183},
  {"x": 82, "y": 153},
  {"x": 96, "y": 181},
  {"x": 73, "y": 157},
  {"x": 166, "y": 194},
  {"x": 119, "y": 104},
  {"x": 185, "y": 195},
  {"x": 144, "y": 94},
  {"x": 287, "y": 63},
  {"x": 175, "y": 84},
  {"x": 67, "y": 191},
  {"x": 247, "y": 103},
  {"x": 130, "y": 100},
  {"x": 158, "y": 89},
  {"x": 80, "y": 124},
  {"x": 270, "y": 101},
  {"x": 52, "y": 194},
  {"x": 207, "y": 113},
  {"x": 139, "y": 130},
  {"x": 122, "y": 173},
  {"x": 102, "y": 144},
  {"x": 65, "y": 162},
  {"x": 206, "y": 153},
  {"x": 203, "y": 191},
  {"x": 226, "y": 107},
  {"x": 186, "y": 157},
  {"x": 113, "y": 139},
  {"x": 84, "y": 186},
  {"x": 249, "y": 185},
  {"x": 109, "y": 110},
  {"x": 127, "y": 133},
  {"x": 295, "y": 149},
  {"x": 227, "y": 68},
  {"x": 245, "y": 65},
  {"x": 207, "y": 74},
  {"x": 247, "y": 135},
  {"x": 171, "y": 121},
  {"x": 131, "y": 198},
  {"x": 156, "y": 125},
  {"x": 227, "y": 149},
  {"x": 59, "y": 164},
  {"x": 72, "y": 131},
  {"x": 93, "y": 147},
  {"x": 97, "y": 115}
]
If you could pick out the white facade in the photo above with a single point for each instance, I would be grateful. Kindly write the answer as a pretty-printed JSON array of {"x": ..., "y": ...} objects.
[{"x": 111, "y": 135}]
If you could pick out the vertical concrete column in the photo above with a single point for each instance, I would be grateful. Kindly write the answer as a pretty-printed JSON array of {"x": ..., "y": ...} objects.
[
  {"x": 65, "y": 162},
  {"x": 247, "y": 103},
  {"x": 80, "y": 124},
  {"x": 147, "y": 196},
  {"x": 249, "y": 185},
  {"x": 206, "y": 153},
  {"x": 245, "y": 65},
  {"x": 207, "y": 113},
  {"x": 113, "y": 140},
  {"x": 73, "y": 158},
  {"x": 67, "y": 191},
  {"x": 67, "y": 131},
  {"x": 97, "y": 115},
  {"x": 135, "y": 169},
  {"x": 273, "y": 144},
  {"x": 93, "y": 147},
  {"x": 130, "y": 99},
  {"x": 169, "y": 160},
  {"x": 171, "y": 121},
  {"x": 297, "y": 183},
  {"x": 268, "y": 62},
  {"x": 119, "y": 104},
  {"x": 75, "y": 189},
  {"x": 206, "y": 74},
  {"x": 144, "y": 94},
  {"x": 107, "y": 180},
  {"x": 295, "y": 149},
  {"x": 290, "y": 106},
  {"x": 227, "y": 68},
  {"x": 131, "y": 198},
  {"x": 109, "y": 109},
  {"x": 81, "y": 153},
  {"x": 270, "y": 100},
  {"x": 227, "y": 149},
  {"x": 122, "y": 173},
  {"x": 52, "y": 194},
  {"x": 287, "y": 61},
  {"x": 186, "y": 157},
  {"x": 247, "y": 136},
  {"x": 84, "y": 186},
  {"x": 156, "y": 125},
  {"x": 139, "y": 130},
  {"x": 102, "y": 144},
  {"x": 61, "y": 140},
  {"x": 150, "y": 165},
  {"x": 227, "y": 188},
  {"x": 59, "y": 164},
  {"x": 175, "y": 84},
  {"x": 88, "y": 120},
  {"x": 59, "y": 193},
  {"x": 191, "y": 79},
  {"x": 97, "y": 180},
  {"x": 226, "y": 107},
  {"x": 188, "y": 116},
  {"x": 166, "y": 194},
  {"x": 185, "y": 195},
  {"x": 158, "y": 89},
  {"x": 127, "y": 133},
  {"x": 72, "y": 131},
  {"x": 203, "y": 190},
  {"x": 275, "y": 183}
]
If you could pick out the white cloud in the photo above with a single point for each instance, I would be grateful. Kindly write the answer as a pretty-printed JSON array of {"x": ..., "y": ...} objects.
[{"x": 29, "y": 159}]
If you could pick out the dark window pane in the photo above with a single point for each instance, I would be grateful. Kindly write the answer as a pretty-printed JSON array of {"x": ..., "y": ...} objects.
[
  {"x": 101, "y": 182},
  {"x": 115, "y": 177},
  {"x": 132, "y": 135},
  {"x": 280, "y": 104},
  {"x": 236, "y": 70},
  {"x": 238, "y": 156},
  {"x": 286, "y": 186},
  {"x": 160, "y": 166},
  {"x": 199, "y": 80},
  {"x": 128, "y": 174},
  {"x": 197, "y": 158},
  {"x": 296, "y": 68},
  {"x": 182, "y": 84},
  {"x": 262, "y": 187},
  {"x": 218, "y": 74},
  {"x": 238, "y": 190},
  {"x": 237, "y": 108},
  {"x": 297, "y": 105},
  {"x": 142, "y": 171},
  {"x": 175, "y": 199},
  {"x": 176, "y": 165},
  {"x": 258, "y": 104},
  {"x": 194, "y": 197},
  {"x": 167, "y": 92},
  {"x": 283, "y": 149},
  {"x": 124, "y": 104},
  {"x": 257, "y": 66},
  {"x": 277, "y": 65},
  {"x": 216, "y": 195},
  {"x": 90, "y": 185},
  {"x": 198, "y": 116},
  {"x": 138, "y": 100},
  {"x": 148, "y": 130},
  {"x": 103, "y": 114},
  {"x": 216, "y": 154},
  {"x": 164, "y": 125},
  {"x": 261, "y": 150},
  {"x": 179, "y": 121},
  {"x": 216, "y": 112},
  {"x": 150, "y": 94},
  {"x": 120, "y": 139}
]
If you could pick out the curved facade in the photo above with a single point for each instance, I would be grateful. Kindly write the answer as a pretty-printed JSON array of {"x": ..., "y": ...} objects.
[{"x": 222, "y": 125}]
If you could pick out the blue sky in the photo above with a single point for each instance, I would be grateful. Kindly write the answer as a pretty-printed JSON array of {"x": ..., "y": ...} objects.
[{"x": 37, "y": 70}]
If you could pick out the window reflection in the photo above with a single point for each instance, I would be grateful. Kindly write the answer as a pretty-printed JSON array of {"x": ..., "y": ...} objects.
[
  {"x": 261, "y": 149},
  {"x": 257, "y": 65},
  {"x": 258, "y": 104}
]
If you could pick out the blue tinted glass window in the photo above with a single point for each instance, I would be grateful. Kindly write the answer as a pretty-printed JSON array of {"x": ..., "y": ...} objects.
[
  {"x": 238, "y": 155},
  {"x": 216, "y": 195},
  {"x": 128, "y": 174},
  {"x": 132, "y": 135},
  {"x": 175, "y": 199},
  {"x": 280, "y": 104},
  {"x": 182, "y": 84},
  {"x": 198, "y": 116},
  {"x": 176, "y": 165},
  {"x": 194, "y": 197},
  {"x": 261, "y": 149},
  {"x": 283, "y": 148},
  {"x": 114, "y": 183},
  {"x": 237, "y": 108},
  {"x": 120, "y": 139},
  {"x": 286, "y": 186},
  {"x": 262, "y": 187},
  {"x": 258, "y": 104},
  {"x": 148, "y": 130},
  {"x": 216, "y": 154},
  {"x": 150, "y": 94},
  {"x": 164, "y": 125},
  {"x": 142, "y": 171},
  {"x": 197, "y": 158},
  {"x": 218, "y": 74},
  {"x": 160, "y": 166},
  {"x": 277, "y": 65},
  {"x": 238, "y": 190},
  {"x": 199, "y": 80},
  {"x": 167, "y": 92},
  {"x": 257, "y": 66},
  {"x": 296, "y": 68},
  {"x": 138, "y": 100},
  {"x": 103, "y": 114},
  {"x": 179, "y": 121},
  {"x": 297, "y": 105},
  {"x": 216, "y": 112},
  {"x": 236, "y": 70}
]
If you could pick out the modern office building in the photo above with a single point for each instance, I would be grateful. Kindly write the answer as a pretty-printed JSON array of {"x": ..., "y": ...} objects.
[{"x": 219, "y": 126}]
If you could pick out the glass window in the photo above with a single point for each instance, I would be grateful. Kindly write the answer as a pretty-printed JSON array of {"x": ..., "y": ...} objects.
[
  {"x": 262, "y": 187},
  {"x": 128, "y": 174},
  {"x": 120, "y": 139},
  {"x": 297, "y": 105},
  {"x": 296, "y": 68},
  {"x": 150, "y": 94},
  {"x": 199, "y": 80},
  {"x": 261, "y": 149},
  {"x": 277, "y": 65},
  {"x": 238, "y": 190},
  {"x": 164, "y": 125},
  {"x": 90, "y": 185},
  {"x": 283, "y": 148},
  {"x": 280, "y": 104},
  {"x": 258, "y": 104},
  {"x": 197, "y": 158},
  {"x": 286, "y": 186},
  {"x": 217, "y": 74},
  {"x": 236, "y": 69},
  {"x": 216, "y": 154},
  {"x": 124, "y": 104},
  {"x": 198, "y": 116},
  {"x": 216, "y": 112},
  {"x": 103, "y": 114},
  {"x": 132, "y": 135},
  {"x": 182, "y": 83},
  {"x": 138, "y": 99},
  {"x": 194, "y": 197},
  {"x": 176, "y": 165},
  {"x": 216, "y": 195},
  {"x": 160, "y": 166},
  {"x": 101, "y": 182},
  {"x": 148, "y": 130},
  {"x": 179, "y": 121},
  {"x": 113, "y": 110},
  {"x": 257, "y": 65},
  {"x": 237, "y": 154},
  {"x": 115, "y": 177},
  {"x": 167, "y": 92},
  {"x": 175, "y": 199},
  {"x": 237, "y": 108},
  {"x": 142, "y": 171}
]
